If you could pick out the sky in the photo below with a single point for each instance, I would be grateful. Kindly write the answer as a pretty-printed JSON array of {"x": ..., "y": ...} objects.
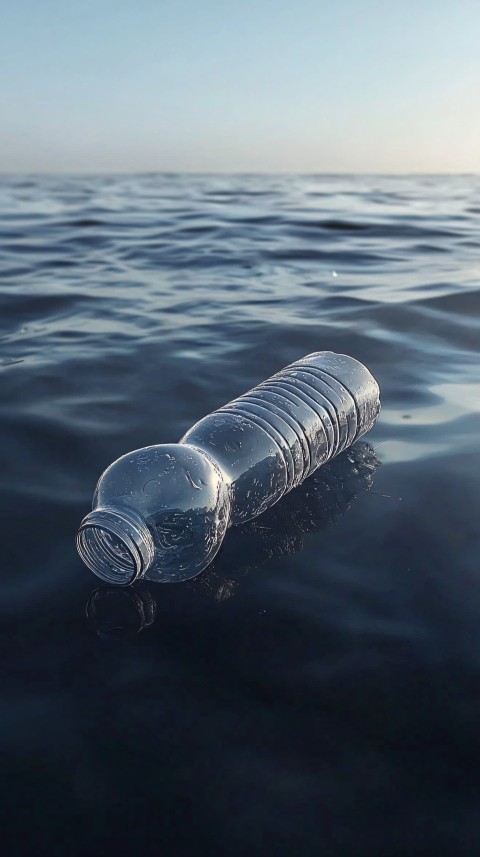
[{"x": 375, "y": 86}]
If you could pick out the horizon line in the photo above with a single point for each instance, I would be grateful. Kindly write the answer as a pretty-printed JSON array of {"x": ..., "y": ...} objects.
[{"x": 330, "y": 173}]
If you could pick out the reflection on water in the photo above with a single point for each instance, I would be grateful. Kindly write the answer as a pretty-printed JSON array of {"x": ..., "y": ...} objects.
[
  {"x": 118, "y": 611},
  {"x": 124, "y": 611}
]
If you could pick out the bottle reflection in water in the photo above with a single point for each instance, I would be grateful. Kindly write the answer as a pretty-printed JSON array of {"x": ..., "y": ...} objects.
[
  {"x": 118, "y": 612},
  {"x": 121, "y": 612}
]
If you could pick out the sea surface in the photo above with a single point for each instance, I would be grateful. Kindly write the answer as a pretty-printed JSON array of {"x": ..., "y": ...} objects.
[{"x": 317, "y": 690}]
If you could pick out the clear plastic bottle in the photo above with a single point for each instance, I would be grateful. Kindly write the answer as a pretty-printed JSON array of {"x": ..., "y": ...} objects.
[{"x": 162, "y": 511}]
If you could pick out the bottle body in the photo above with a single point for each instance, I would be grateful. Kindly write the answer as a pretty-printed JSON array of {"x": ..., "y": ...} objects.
[
  {"x": 270, "y": 439},
  {"x": 161, "y": 512}
]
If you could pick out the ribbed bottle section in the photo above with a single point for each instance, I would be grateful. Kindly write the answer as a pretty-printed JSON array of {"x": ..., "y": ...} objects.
[
  {"x": 312, "y": 410},
  {"x": 271, "y": 438}
]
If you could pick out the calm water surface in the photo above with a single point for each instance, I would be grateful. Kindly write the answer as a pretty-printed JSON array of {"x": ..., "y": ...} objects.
[{"x": 317, "y": 690}]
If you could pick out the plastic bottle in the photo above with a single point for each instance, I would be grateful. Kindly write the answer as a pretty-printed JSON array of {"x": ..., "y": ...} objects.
[{"x": 162, "y": 511}]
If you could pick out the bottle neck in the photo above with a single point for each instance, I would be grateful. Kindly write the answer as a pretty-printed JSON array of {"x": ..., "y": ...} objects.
[{"x": 115, "y": 544}]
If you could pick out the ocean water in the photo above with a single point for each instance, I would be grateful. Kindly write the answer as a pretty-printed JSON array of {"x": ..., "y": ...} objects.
[{"x": 317, "y": 690}]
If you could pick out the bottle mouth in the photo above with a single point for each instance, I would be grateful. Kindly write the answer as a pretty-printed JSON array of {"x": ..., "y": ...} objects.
[{"x": 115, "y": 545}]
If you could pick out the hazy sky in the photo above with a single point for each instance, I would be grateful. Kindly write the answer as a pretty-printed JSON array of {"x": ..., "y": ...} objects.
[{"x": 241, "y": 85}]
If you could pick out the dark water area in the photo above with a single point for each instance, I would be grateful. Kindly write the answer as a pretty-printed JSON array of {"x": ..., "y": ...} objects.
[{"x": 317, "y": 690}]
